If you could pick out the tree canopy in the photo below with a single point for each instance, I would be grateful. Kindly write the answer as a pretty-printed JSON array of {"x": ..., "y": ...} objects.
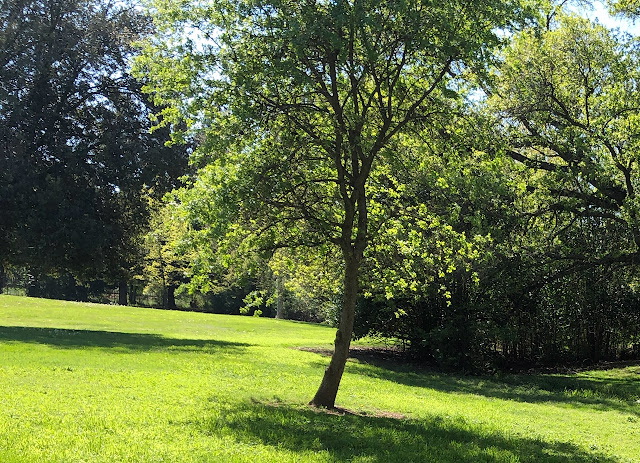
[{"x": 570, "y": 106}]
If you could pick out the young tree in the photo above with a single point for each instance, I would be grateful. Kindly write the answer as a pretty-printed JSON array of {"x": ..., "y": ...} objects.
[
  {"x": 299, "y": 102},
  {"x": 166, "y": 262}
]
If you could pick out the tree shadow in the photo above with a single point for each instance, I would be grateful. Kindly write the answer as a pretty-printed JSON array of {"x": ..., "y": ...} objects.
[
  {"x": 595, "y": 392},
  {"x": 383, "y": 439},
  {"x": 124, "y": 342}
]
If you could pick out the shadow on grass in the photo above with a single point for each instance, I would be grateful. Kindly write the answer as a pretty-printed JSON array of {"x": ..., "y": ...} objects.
[
  {"x": 133, "y": 342},
  {"x": 381, "y": 439},
  {"x": 602, "y": 393}
]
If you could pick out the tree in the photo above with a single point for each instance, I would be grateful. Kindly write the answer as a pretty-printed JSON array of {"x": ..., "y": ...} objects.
[
  {"x": 570, "y": 107},
  {"x": 568, "y": 102},
  {"x": 166, "y": 261},
  {"x": 629, "y": 8},
  {"x": 75, "y": 147},
  {"x": 300, "y": 102}
]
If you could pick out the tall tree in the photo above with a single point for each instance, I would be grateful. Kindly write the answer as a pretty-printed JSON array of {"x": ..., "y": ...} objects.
[
  {"x": 75, "y": 147},
  {"x": 570, "y": 102},
  {"x": 301, "y": 102}
]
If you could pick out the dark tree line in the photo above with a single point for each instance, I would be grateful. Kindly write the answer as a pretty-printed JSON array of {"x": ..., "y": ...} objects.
[{"x": 76, "y": 154}]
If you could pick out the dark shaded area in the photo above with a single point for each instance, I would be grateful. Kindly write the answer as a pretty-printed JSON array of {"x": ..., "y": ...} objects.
[
  {"x": 394, "y": 365},
  {"x": 605, "y": 394},
  {"x": 134, "y": 342},
  {"x": 383, "y": 439},
  {"x": 66, "y": 287},
  {"x": 515, "y": 320}
]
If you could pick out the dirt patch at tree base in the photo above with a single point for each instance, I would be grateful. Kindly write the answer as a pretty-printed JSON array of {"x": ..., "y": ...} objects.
[
  {"x": 369, "y": 354},
  {"x": 371, "y": 414},
  {"x": 337, "y": 411}
]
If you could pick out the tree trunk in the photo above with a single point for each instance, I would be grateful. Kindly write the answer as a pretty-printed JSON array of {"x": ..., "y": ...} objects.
[
  {"x": 133, "y": 296},
  {"x": 163, "y": 278},
  {"x": 122, "y": 292},
  {"x": 171, "y": 297},
  {"x": 280, "y": 307},
  {"x": 2, "y": 278},
  {"x": 326, "y": 395}
]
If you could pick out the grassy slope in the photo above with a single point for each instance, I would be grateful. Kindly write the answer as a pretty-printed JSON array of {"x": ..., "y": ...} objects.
[{"x": 83, "y": 383}]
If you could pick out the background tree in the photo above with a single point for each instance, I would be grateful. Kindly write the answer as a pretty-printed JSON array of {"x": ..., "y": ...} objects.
[
  {"x": 166, "y": 260},
  {"x": 629, "y": 8},
  {"x": 560, "y": 244},
  {"x": 459, "y": 224},
  {"x": 75, "y": 147},
  {"x": 220, "y": 266},
  {"x": 571, "y": 113},
  {"x": 569, "y": 110}
]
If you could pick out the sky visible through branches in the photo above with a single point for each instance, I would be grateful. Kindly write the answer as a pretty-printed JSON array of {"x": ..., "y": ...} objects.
[{"x": 598, "y": 12}]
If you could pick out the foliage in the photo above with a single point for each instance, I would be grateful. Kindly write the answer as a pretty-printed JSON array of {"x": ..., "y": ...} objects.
[
  {"x": 554, "y": 225},
  {"x": 471, "y": 200},
  {"x": 165, "y": 270},
  {"x": 629, "y": 8},
  {"x": 308, "y": 283},
  {"x": 569, "y": 113},
  {"x": 75, "y": 147}
]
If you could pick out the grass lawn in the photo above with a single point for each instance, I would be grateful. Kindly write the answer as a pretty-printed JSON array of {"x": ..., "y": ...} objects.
[{"x": 96, "y": 383}]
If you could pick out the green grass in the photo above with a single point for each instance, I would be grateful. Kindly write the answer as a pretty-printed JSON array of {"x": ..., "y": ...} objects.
[{"x": 95, "y": 383}]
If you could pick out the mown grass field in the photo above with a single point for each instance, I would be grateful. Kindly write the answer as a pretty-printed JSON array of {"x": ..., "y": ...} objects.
[{"x": 94, "y": 383}]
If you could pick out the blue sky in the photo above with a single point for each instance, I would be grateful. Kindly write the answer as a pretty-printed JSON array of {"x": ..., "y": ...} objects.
[{"x": 599, "y": 12}]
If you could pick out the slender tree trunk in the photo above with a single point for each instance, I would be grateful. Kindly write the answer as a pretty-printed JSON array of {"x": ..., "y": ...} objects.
[
  {"x": 280, "y": 307},
  {"x": 355, "y": 220},
  {"x": 122, "y": 292},
  {"x": 2, "y": 278},
  {"x": 171, "y": 297},
  {"x": 326, "y": 395},
  {"x": 133, "y": 296}
]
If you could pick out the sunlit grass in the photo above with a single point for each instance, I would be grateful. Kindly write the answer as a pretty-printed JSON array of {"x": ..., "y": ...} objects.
[{"x": 93, "y": 383}]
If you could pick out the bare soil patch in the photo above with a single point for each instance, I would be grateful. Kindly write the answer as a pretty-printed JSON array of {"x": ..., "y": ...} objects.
[
  {"x": 337, "y": 411},
  {"x": 368, "y": 354}
]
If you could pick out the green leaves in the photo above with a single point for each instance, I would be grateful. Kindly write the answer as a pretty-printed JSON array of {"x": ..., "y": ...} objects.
[
  {"x": 304, "y": 96},
  {"x": 75, "y": 147},
  {"x": 572, "y": 111}
]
